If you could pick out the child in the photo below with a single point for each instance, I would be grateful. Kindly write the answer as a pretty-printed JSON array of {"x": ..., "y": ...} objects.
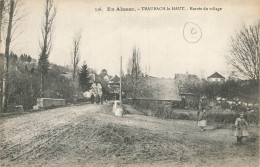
[
  {"x": 241, "y": 126},
  {"x": 202, "y": 121}
]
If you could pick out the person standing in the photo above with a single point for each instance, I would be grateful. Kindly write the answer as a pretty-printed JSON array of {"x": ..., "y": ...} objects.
[
  {"x": 92, "y": 98},
  {"x": 241, "y": 126},
  {"x": 202, "y": 122}
]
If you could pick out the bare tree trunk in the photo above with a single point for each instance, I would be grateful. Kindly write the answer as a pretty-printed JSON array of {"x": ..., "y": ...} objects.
[
  {"x": 41, "y": 86},
  {"x": 1, "y": 21},
  {"x": 1, "y": 47},
  {"x": 6, "y": 57}
]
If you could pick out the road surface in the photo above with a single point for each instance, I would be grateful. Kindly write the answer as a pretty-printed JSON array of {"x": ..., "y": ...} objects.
[{"x": 89, "y": 135}]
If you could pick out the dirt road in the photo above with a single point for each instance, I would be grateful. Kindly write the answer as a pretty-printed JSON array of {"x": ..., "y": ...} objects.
[{"x": 90, "y": 135}]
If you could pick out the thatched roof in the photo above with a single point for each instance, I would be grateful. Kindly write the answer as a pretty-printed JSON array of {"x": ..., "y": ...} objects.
[{"x": 160, "y": 89}]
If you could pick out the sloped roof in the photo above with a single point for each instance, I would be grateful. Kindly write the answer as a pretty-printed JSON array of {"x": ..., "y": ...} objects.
[
  {"x": 216, "y": 75},
  {"x": 160, "y": 89},
  {"x": 185, "y": 76},
  {"x": 115, "y": 79}
]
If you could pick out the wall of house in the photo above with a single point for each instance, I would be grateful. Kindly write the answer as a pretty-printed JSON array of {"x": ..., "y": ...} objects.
[{"x": 216, "y": 79}]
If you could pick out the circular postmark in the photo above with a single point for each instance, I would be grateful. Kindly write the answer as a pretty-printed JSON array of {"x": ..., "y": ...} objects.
[{"x": 192, "y": 32}]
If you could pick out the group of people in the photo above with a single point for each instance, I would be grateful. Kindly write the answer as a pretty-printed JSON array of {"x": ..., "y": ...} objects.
[
  {"x": 98, "y": 99},
  {"x": 241, "y": 125}
]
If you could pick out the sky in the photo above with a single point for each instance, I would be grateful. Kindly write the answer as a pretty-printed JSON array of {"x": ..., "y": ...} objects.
[{"x": 108, "y": 35}]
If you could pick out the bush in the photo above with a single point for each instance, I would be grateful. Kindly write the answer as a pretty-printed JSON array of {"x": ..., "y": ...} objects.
[
  {"x": 225, "y": 105},
  {"x": 167, "y": 111},
  {"x": 221, "y": 117},
  {"x": 253, "y": 117},
  {"x": 183, "y": 116},
  {"x": 238, "y": 108}
]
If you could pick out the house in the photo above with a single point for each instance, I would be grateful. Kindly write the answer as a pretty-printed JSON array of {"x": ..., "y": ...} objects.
[
  {"x": 216, "y": 77},
  {"x": 164, "y": 89},
  {"x": 158, "y": 91},
  {"x": 110, "y": 85},
  {"x": 114, "y": 85},
  {"x": 114, "y": 80},
  {"x": 188, "y": 85}
]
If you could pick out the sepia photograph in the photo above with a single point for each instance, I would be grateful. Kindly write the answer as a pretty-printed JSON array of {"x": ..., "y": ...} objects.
[{"x": 127, "y": 83}]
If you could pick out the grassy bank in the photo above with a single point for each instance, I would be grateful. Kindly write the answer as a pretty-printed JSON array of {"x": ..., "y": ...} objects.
[{"x": 167, "y": 111}]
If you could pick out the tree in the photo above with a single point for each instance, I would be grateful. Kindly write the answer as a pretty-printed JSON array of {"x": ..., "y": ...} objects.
[
  {"x": 134, "y": 73},
  {"x": 75, "y": 55},
  {"x": 23, "y": 58},
  {"x": 6, "y": 56},
  {"x": 134, "y": 67},
  {"x": 84, "y": 79},
  {"x": 2, "y": 10},
  {"x": 46, "y": 42},
  {"x": 230, "y": 90},
  {"x": 210, "y": 89},
  {"x": 103, "y": 73},
  {"x": 29, "y": 59},
  {"x": 244, "y": 52}
]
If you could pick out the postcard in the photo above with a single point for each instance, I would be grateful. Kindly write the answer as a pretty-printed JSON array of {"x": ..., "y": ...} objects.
[{"x": 129, "y": 83}]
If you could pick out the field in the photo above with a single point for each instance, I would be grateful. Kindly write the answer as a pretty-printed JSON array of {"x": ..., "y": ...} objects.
[{"x": 89, "y": 135}]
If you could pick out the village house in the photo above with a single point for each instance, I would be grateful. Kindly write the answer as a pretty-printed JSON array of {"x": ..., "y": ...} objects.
[
  {"x": 159, "y": 91},
  {"x": 114, "y": 85},
  {"x": 110, "y": 85},
  {"x": 216, "y": 77}
]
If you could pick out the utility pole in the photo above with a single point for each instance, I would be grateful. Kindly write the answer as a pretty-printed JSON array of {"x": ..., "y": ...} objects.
[{"x": 120, "y": 95}]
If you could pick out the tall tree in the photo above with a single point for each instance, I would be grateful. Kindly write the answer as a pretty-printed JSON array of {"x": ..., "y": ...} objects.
[
  {"x": 84, "y": 79},
  {"x": 10, "y": 13},
  {"x": 6, "y": 56},
  {"x": 244, "y": 51},
  {"x": 134, "y": 73},
  {"x": 103, "y": 73},
  {"x": 134, "y": 67},
  {"x": 46, "y": 42},
  {"x": 75, "y": 55}
]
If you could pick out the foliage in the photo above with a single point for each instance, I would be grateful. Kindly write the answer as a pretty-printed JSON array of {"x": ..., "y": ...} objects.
[
  {"x": 24, "y": 84},
  {"x": 84, "y": 79},
  {"x": 191, "y": 84},
  {"x": 58, "y": 85},
  {"x": 167, "y": 111},
  {"x": 236, "y": 91},
  {"x": 132, "y": 82},
  {"x": 103, "y": 73},
  {"x": 43, "y": 64},
  {"x": 25, "y": 58},
  {"x": 210, "y": 89},
  {"x": 230, "y": 90},
  {"x": 225, "y": 105}
]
